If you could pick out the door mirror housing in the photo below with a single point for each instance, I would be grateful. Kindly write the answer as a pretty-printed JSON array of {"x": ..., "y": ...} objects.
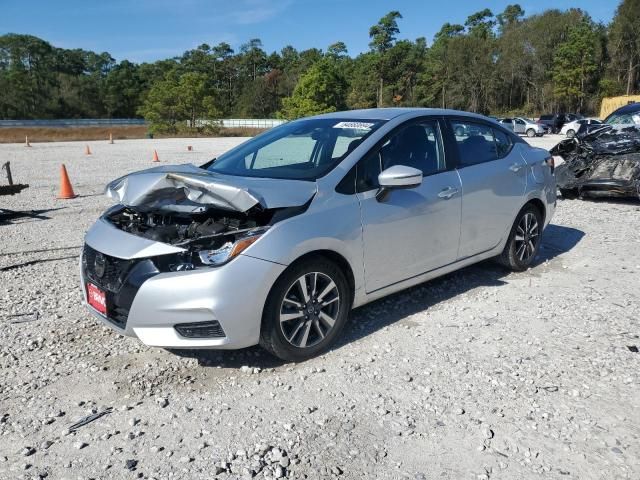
[{"x": 398, "y": 176}]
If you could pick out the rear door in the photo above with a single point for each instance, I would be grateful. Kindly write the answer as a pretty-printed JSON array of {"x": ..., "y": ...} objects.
[
  {"x": 412, "y": 231},
  {"x": 493, "y": 176}
]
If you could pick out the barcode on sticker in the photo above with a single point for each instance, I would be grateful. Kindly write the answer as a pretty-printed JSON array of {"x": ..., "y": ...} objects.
[{"x": 354, "y": 125}]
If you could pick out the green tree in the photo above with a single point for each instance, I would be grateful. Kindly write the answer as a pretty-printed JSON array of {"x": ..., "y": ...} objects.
[
  {"x": 574, "y": 63},
  {"x": 624, "y": 45},
  {"x": 177, "y": 103},
  {"x": 383, "y": 36},
  {"x": 322, "y": 89},
  {"x": 511, "y": 16}
]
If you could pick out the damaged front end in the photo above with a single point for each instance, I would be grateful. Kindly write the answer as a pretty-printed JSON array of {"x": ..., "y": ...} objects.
[
  {"x": 212, "y": 218},
  {"x": 602, "y": 163}
]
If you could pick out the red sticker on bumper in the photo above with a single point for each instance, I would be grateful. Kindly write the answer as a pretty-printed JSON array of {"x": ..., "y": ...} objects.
[{"x": 97, "y": 298}]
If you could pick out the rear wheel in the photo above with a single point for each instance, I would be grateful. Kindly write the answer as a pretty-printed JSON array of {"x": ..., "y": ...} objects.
[
  {"x": 531, "y": 133},
  {"x": 306, "y": 310},
  {"x": 524, "y": 240}
]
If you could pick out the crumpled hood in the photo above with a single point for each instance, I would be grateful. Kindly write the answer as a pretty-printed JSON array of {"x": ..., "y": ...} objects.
[{"x": 180, "y": 187}]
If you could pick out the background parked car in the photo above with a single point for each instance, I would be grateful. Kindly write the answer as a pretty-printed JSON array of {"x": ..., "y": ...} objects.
[
  {"x": 524, "y": 126},
  {"x": 556, "y": 121},
  {"x": 570, "y": 129}
]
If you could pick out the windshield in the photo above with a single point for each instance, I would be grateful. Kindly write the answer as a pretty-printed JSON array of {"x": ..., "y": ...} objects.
[
  {"x": 299, "y": 150},
  {"x": 623, "y": 118}
]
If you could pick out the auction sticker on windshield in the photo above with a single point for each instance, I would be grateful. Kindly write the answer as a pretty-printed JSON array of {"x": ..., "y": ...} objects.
[
  {"x": 97, "y": 298},
  {"x": 354, "y": 125}
]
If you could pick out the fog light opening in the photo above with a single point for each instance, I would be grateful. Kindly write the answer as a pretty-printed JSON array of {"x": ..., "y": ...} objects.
[{"x": 211, "y": 329}]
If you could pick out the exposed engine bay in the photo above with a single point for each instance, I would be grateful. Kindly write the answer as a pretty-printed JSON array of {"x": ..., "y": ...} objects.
[
  {"x": 600, "y": 163},
  {"x": 211, "y": 218},
  {"x": 211, "y": 228}
]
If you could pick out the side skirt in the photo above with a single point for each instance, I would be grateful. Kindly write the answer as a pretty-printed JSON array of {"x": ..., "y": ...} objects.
[{"x": 410, "y": 282}]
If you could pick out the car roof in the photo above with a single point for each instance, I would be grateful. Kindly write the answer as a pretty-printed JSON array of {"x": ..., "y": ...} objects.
[
  {"x": 391, "y": 113},
  {"x": 629, "y": 108}
]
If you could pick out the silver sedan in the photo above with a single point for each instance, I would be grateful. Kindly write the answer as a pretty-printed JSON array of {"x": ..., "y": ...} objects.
[{"x": 275, "y": 241}]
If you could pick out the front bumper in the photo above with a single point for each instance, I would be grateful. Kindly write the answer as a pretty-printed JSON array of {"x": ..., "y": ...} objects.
[{"x": 148, "y": 304}]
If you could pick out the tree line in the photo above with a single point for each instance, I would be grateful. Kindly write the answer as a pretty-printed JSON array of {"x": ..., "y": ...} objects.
[{"x": 493, "y": 64}]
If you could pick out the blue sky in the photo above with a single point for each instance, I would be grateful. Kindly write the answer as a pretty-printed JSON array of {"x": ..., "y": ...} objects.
[{"x": 147, "y": 30}]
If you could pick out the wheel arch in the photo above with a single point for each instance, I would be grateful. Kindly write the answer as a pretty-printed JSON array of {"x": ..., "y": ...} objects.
[
  {"x": 539, "y": 204},
  {"x": 334, "y": 257}
]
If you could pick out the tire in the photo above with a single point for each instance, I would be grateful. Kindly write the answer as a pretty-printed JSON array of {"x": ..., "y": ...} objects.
[
  {"x": 531, "y": 133},
  {"x": 569, "y": 193},
  {"x": 571, "y": 133},
  {"x": 308, "y": 331},
  {"x": 513, "y": 256}
]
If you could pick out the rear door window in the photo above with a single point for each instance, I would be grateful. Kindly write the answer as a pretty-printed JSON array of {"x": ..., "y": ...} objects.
[{"x": 479, "y": 143}]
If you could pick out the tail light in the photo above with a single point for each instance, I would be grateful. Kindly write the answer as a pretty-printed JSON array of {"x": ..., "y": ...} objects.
[{"x": 551, "y": 163}]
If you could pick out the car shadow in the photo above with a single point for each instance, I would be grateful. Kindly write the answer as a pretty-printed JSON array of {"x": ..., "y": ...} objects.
[{"x": 368, "y": 319}]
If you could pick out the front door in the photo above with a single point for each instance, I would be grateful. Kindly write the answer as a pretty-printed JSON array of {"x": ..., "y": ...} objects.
[{"x": 412, "y": 231}]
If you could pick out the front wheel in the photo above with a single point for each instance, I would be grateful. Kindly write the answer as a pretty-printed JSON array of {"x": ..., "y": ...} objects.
[
  {"x": 524, "y": 240},
  {"x": 531, "y": 133},
  {"x": 306, "y": 310}
]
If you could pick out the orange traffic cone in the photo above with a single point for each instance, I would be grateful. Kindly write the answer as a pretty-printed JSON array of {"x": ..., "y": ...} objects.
[
  {"x": 66, "y": 190},
  {"x": 111, "y": 138},
  {"x": 87, "y": 150},
  {"x": 155, "y": 156},
  {"x": 26, "y": 141},
  {"x": 189, "y": 148}
]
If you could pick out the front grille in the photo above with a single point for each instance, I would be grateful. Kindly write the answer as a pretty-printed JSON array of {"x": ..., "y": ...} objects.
[
  {"x": 120, "y": 279},
  {"x": 115, "y": 270}
]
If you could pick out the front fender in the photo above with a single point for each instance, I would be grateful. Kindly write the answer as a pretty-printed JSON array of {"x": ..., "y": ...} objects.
[{"x": 332, "y": 222}]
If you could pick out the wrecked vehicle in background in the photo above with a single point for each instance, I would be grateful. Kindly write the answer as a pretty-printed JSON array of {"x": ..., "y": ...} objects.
[{"x": 603, "y": 162}]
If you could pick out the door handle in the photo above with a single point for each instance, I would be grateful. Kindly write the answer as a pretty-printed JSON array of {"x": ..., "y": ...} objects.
[
  {"x": 448, "y": 192},
  {"x": 516, "y": 167}
]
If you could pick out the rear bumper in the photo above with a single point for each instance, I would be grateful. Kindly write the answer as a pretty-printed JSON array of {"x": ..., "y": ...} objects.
[{"x": 232, "y": 295}]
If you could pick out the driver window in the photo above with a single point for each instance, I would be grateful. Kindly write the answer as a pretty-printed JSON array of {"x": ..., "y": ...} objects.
[{"x": 418, "y": 145}]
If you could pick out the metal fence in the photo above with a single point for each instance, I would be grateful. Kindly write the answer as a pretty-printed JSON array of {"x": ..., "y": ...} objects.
[
  {"x": 73, "y": 122},
  {"x": 251, "y": 122},
  {"x": 99, "y": 122}
]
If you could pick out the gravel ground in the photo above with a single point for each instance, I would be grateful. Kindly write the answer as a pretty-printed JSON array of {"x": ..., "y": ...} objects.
[{"x": 478, "y": 375}]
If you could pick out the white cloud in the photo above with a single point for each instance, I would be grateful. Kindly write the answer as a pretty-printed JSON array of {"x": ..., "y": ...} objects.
[{"x": 258, "y": 11}]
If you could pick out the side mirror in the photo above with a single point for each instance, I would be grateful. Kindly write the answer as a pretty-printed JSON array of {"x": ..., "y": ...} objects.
[{"x": 398, "y": 176}]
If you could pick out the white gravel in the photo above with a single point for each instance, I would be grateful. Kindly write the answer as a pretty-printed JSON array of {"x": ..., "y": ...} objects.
[{"x": 477, "y": 375}]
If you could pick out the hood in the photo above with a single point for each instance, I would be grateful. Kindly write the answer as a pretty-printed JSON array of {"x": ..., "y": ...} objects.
[{"x": 190, "y": 188}]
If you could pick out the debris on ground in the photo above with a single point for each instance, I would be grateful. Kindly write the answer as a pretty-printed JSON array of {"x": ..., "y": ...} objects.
[{"x": 90, "y": 418}]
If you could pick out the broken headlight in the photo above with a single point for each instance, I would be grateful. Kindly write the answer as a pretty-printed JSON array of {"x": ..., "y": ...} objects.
[{"x": 229, "y": 250}]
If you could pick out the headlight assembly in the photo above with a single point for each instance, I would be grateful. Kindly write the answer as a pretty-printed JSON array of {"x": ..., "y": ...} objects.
[{"x": 229, "y": 250}]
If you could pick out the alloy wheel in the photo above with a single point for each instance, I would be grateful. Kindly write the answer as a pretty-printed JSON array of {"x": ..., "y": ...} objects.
[
  {"x": 309, "y": 309},
  {"x": 527, "y": 237}
]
